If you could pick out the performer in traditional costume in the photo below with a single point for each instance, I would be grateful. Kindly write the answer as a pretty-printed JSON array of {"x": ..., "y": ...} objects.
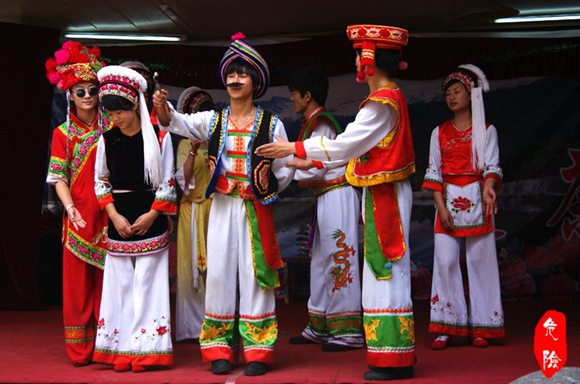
[
  {"x": 242, "y": 246},
  {"x": 462, "y": 175},
  {"x": 192, "y": 176},
  {"x": 71, "y": 171},
  {"x": 380, "y": 147},
  {"x": 334, "y": 306},
  {"x": 134, "y": 183}
]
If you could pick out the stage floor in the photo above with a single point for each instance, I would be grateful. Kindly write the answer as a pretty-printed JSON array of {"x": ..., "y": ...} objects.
[{"x": 32, "y": 351}]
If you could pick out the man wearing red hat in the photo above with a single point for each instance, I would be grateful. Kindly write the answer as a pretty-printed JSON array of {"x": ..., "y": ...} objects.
[{"x": 380, "y": 148}]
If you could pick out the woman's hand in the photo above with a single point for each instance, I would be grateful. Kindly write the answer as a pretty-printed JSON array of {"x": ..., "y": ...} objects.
[
  {"x": 446, "y": 219},
  {"x": 489, "y": 200},
  {"x": 122, "y": 225},
  {"x": 144, "y": 222},
  {"x": 75, "y": 217}
]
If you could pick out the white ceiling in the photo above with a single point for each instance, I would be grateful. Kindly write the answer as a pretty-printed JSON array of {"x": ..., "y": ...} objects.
[{"x": 212, "y": 21}]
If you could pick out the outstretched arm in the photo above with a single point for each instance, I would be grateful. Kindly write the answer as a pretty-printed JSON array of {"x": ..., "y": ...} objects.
[{"x": 277, "y": 149}]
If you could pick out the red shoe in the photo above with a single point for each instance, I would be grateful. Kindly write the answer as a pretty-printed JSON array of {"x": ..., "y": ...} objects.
[
  {"x": 440, "y": 343},
  {"x": 122, "y": 367},
  {"x": 479, "y": 342},
  {"x": 139, "y": 368}
]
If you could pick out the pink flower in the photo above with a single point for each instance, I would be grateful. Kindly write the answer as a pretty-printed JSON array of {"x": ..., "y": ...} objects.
[{"x": 61, "y": 56}]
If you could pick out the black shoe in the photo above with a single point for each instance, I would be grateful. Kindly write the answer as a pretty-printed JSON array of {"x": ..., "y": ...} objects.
[
  {"x": 221, "y": 367},
  {"x": 300, "y": 340},
  {"x": 330, "y": 347},
  {"x": 389, "y": 373},
  {"x": 255, "y": 368}
]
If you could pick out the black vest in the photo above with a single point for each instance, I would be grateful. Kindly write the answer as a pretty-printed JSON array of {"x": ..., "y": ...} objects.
[{"x": 261, "y": 178}]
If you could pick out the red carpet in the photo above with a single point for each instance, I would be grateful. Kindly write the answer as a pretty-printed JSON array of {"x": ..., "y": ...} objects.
[{"x": 32, "y": 351}]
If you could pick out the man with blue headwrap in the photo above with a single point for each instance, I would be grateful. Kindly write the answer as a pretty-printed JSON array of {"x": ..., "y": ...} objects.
[{"x": 242, "y": 246}]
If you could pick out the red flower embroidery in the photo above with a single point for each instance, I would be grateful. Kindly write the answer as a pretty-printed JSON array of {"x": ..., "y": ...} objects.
[
  {"x": 435, "y": 299},
  {"x": 143, "y": 330},
  {"x": 462, "y": 204},
  {"x": 101, "y": 323},
  {"x": 162, "y": 330}
]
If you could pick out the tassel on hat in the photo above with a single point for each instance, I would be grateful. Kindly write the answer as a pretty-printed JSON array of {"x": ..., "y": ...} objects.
[{"x": 369, "y": 38}]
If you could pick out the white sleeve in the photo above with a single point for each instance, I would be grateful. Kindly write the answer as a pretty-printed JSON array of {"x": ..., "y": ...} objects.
[
  {"x": 492, "y": 154},
  {"x": 102, "y": 186},
  {"x": 194, "y": 125},
  {"x": 372, "y": 123},
  {"x": 166, "y": 191},
  {"x": 283, "y": 173},
  {"x": 433, "y": 172},
  {"x": 314, "y": 174}
]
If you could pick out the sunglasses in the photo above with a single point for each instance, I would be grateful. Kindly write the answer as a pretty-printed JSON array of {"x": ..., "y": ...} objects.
[{"x": 93, "y": 91}]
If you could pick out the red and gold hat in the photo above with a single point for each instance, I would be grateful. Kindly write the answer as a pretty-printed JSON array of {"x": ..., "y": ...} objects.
[
  {"x": 72, "y": 64},
  {"x": 369, "y": 38}
]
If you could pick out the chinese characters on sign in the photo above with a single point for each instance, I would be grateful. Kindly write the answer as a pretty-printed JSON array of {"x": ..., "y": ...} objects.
[
  {"x": 550, "y": 346},
  {"x": 569, "y": 209}
]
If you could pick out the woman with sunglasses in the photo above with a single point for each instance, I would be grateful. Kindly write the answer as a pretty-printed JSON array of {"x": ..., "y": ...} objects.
[{"x": 71, "y": 171}]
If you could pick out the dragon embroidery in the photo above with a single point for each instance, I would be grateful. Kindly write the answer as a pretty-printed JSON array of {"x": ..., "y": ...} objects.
[{"x": 341, "y": 272}]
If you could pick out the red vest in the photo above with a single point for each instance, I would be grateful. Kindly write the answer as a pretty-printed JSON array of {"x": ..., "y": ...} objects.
[{"x": 393, "y": 159}]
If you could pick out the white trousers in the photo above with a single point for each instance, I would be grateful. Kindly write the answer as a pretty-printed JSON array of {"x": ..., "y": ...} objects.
[
  {"x": 230, "y": 265},
  {"x": 334, "y": 305},
  {"x": 134, "y": 323},
  {"x": 450, "y": 313},
  {"x": 387, "y": 304}
]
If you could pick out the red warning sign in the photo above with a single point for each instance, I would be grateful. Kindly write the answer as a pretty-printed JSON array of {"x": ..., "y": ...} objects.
[{"x": 550, "y": 346}]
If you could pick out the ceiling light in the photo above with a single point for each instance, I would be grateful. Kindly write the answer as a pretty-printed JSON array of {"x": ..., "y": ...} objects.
[
  {"x": 538, "y": 18},
  {"x": 102, "y": 36}
]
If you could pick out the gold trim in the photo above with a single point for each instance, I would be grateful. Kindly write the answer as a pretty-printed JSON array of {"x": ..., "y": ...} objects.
[
  {"x": 324, "y": 148},
  {"x": 380, "y": 178}
]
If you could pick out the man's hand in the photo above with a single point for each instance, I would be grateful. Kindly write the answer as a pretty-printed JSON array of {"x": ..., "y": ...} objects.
[
  {"x": 302, "y": 164},
  {"x": 276, "y": 150},
  {"x": 160, "y": 103}
]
